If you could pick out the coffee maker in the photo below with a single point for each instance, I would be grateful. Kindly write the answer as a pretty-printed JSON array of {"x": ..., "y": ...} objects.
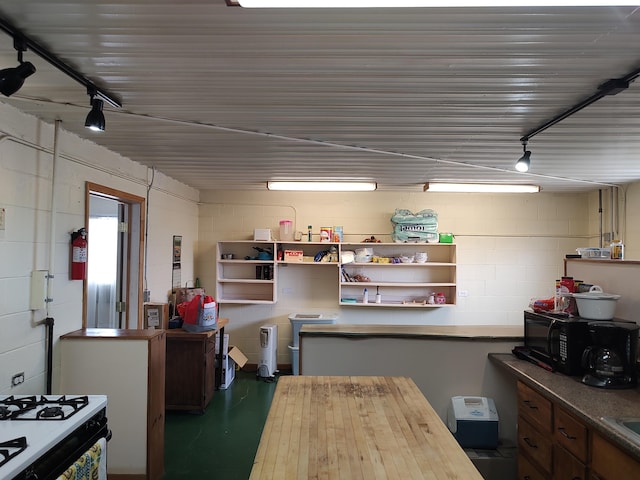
[{"x": 610, "y": 360}]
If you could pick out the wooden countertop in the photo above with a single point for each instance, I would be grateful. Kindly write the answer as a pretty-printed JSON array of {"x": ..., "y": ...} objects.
[
  {"x": 131, "y": 333},
  {"x": 467, "y": 332},
  {"x": 181, "y": 333},
  {"x": 356, "y": 428},
  {"x": 118, "y": 333},
  {"x": 588, "y": 403}
]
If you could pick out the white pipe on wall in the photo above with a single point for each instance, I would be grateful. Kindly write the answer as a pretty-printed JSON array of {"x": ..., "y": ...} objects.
[{"x": 52, "y": 218}]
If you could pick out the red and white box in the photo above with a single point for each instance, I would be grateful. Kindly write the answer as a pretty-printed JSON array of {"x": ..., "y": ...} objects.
[{"x": 293, "y": 256}]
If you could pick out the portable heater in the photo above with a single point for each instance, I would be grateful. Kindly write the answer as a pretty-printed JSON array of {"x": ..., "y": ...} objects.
[{"x": 268, "y": 363}]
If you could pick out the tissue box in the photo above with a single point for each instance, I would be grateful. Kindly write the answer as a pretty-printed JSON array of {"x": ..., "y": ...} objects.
[
  {"x": 262, "y": 235},
  {"x": 473, "y": 421}
]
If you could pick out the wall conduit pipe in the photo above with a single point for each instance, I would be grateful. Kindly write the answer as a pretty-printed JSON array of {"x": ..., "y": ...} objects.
[
  {"x": 49, "y": 321},
  {"x": 600, "y": 214}
]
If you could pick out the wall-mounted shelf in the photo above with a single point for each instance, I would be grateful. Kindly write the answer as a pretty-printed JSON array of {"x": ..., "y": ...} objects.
[
  {"x": 245, "y": 279},
  {"x": 406, "y": 285}
]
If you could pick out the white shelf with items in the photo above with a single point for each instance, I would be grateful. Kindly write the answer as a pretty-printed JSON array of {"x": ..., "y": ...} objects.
[
  {"x": 309, "y": 252},
  {"x": 407, "y": 285},
  {"x": 243, "y": 277}
]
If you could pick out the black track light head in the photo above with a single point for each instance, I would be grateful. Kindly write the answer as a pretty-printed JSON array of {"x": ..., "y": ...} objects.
[
  {"x": 523, "y": 163},
  {"x": 12, "y": 79},
  {"x": 95, "y": 119}
]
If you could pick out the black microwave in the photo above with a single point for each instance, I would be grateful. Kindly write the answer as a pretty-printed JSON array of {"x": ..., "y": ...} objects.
[{"x": 557, "y": 341}]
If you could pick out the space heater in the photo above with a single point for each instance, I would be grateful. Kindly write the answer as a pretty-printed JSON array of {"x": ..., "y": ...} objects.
[{"x": 268, "y": 363}]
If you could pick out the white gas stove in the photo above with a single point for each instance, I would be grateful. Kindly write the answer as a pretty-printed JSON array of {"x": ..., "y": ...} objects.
[{"x": 42, "y": 435}]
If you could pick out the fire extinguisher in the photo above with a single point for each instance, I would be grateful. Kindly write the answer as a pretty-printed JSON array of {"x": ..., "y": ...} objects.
[{"x": 79, "y": 255}]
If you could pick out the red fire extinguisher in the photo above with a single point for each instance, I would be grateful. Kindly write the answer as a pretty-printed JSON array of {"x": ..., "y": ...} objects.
[{"x": 79, "y": 254}]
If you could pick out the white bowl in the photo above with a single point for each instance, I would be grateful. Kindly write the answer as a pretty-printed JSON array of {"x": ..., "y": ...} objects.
[
  {"x": 596, "y": 305},
  {"x": 406, "y": 259}
]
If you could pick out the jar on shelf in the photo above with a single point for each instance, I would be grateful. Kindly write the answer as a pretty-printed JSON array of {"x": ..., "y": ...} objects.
[{"x": 617, "y": 250}]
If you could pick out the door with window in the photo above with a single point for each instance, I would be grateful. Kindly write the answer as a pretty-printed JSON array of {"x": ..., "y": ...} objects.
[{"x": 113, "y": 288}]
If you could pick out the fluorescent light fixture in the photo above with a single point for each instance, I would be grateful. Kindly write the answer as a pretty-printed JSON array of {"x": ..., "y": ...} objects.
[
  {"x": 424, "y": 3},
  {"x": 323, "y": 186},
  {"x": 480, "y": 188}
]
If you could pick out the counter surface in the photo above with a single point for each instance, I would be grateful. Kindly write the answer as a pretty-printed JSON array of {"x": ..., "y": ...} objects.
[
  {"x": 469, "y": 332},
  {"x": 588, "y": 403},
  {"x": 356, "y": 428}
]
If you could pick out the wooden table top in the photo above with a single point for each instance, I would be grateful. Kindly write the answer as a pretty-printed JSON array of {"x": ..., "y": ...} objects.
[{"x": 356, "y": 428}]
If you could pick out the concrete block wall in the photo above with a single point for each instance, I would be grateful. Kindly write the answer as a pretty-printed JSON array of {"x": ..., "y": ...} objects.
[{"x": 510, "y": 248}]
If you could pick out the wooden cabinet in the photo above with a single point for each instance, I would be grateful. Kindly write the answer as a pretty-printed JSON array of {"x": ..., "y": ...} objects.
[
  {"x": 554, "y": 444},
  {"x": 243, "y": 278},
  {"x": 190, "y": 368},
  {"x": 129, "y": 367}
]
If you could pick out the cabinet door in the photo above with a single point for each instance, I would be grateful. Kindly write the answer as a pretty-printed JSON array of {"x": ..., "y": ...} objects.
[
  {"x": 155, "y": 432},
  {"x": 535, "y": 408},
  {"x": 571, "y": 434},
  {"x": 209, "y": 369},
  {"x": 566, "y": 466},
  {"x": 608, "y": 462},
  {"x": 534, "y": 444},
  {"x": 528, "y": 471}
]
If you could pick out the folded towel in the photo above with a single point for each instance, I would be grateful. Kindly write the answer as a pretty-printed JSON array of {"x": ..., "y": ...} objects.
[{"x": 92, "y": 465}]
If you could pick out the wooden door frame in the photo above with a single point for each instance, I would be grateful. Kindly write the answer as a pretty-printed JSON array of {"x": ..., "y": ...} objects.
[{"x": 129, "y": 200}]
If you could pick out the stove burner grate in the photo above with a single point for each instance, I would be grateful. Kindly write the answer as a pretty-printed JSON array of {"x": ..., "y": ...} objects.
[
  {"x": 43, "y": 408},
  {"x": 11, "y": 448}
]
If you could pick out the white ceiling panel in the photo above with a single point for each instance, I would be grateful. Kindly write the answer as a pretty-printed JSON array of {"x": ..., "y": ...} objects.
[{"x": 222, "y": 97}]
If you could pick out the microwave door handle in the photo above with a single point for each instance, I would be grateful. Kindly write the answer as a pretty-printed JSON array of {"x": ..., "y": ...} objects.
[{"x": 552, "y": 327}]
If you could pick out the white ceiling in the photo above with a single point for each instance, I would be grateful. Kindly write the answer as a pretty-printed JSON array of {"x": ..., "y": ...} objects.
[{"x": 223, "y": 97}]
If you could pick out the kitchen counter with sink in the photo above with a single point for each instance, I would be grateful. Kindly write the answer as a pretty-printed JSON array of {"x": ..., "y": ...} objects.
[{"x": 597, "y": 408}]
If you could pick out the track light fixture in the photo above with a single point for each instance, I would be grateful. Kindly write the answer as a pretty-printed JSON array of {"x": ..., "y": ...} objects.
[
  {"x": 522, "y": 165},
  {"x": 11, "y": 79},
  {"x": 95, "y": 119}
]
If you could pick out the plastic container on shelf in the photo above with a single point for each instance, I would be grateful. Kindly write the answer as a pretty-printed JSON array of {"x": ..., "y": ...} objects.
[
  {"x": 286, "y": 231},
  {"x": 617, "y": 250},
  {"x": 593, "y": 252}
]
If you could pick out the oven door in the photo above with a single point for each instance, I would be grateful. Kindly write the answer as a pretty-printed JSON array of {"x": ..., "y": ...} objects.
[{"x": 59, "y": 458}]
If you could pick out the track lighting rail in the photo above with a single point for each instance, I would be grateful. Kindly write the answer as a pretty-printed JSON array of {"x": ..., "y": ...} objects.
[
  {"x": 608, "y": 88},
  {"x": 59, "y": 64}
]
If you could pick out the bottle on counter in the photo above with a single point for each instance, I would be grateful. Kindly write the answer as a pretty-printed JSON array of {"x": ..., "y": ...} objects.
[
  {"x": 378, "y": 296},
  {"x": 617, "y": 250},
  {"x": 365, "y": 296},
  {"x": 309, "y": 233}
]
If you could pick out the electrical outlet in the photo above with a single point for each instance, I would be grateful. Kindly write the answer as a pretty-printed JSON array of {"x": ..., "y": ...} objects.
[
  {"x": 17, "y": 379},
  {"x": 463, "y": 293},
  {"x": 2, "y": 217}
]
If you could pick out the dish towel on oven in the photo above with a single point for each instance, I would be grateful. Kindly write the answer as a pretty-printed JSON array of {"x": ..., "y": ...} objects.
[{"x": 92, "y": 465}]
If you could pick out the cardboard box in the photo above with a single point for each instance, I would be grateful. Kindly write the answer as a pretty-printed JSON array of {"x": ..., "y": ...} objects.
[
  {"x": 229, "y": 361},
  {"x": 187, "y": 294},
  {"x": 293, "y": 256},
  {"x": 156, "y": 315}
]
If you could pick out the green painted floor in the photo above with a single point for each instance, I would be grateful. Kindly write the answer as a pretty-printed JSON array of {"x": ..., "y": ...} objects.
[{"x": 222, "y": 442}]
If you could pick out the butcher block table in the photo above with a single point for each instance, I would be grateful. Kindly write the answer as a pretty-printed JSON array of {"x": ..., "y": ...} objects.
[{"x": 356, "y": 428}]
